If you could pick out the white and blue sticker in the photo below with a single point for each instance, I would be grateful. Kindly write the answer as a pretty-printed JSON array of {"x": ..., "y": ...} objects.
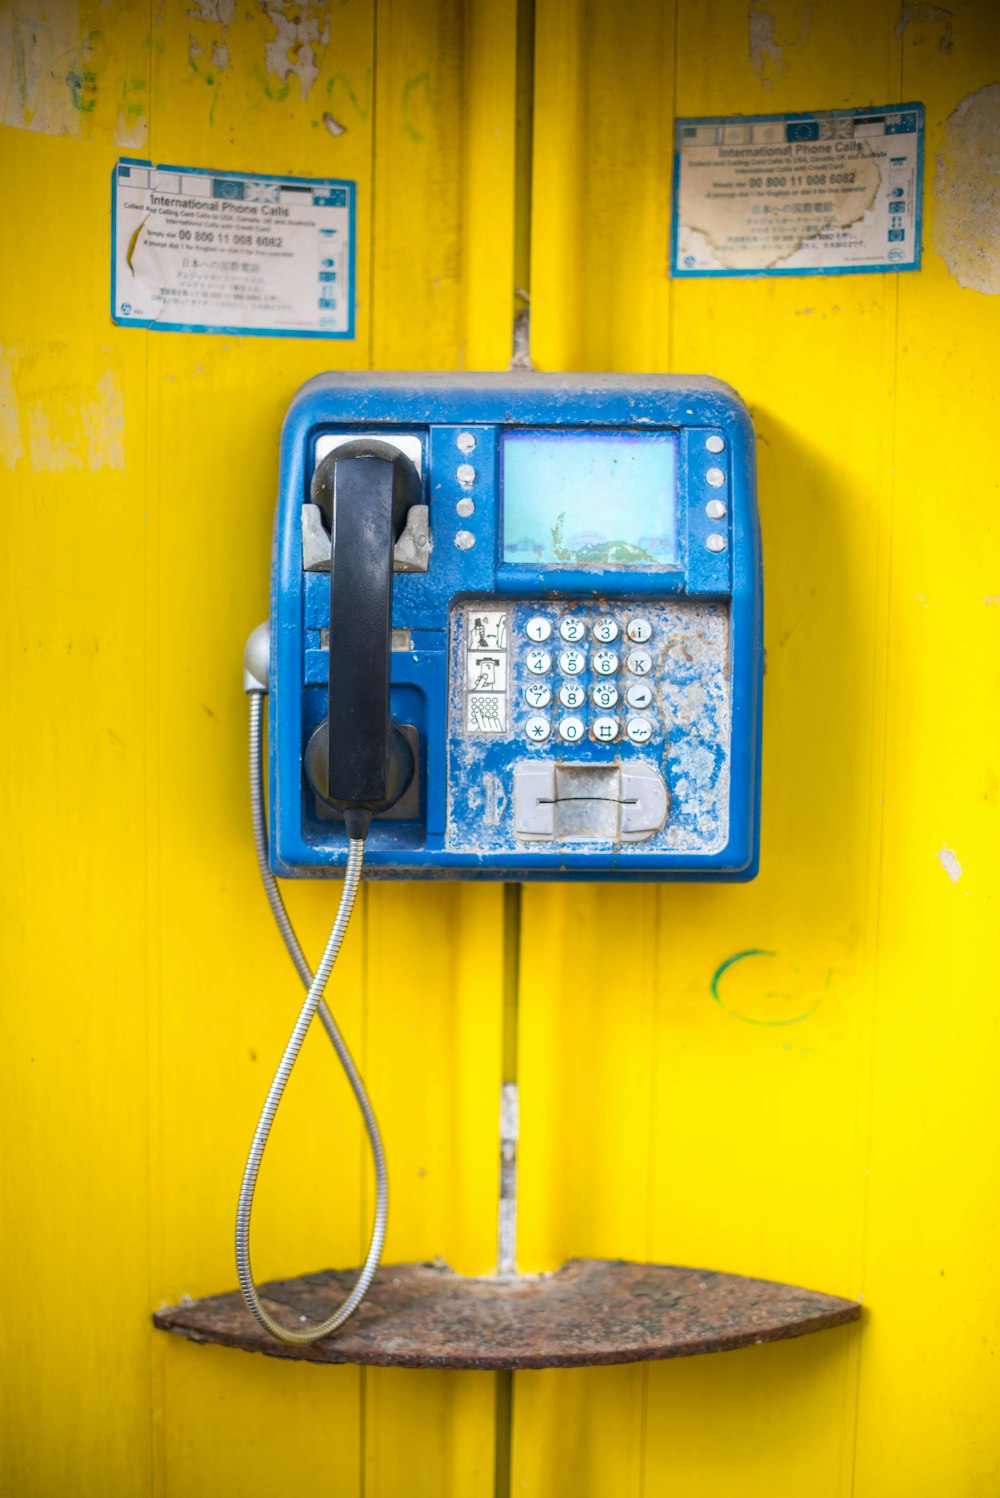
[
  {"x": 828, "y": 193},
  {"x": 199, "y": 251}
]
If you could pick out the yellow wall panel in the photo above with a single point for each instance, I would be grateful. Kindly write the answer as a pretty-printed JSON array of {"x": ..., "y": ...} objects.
[{"x": 820, "y": 1111}]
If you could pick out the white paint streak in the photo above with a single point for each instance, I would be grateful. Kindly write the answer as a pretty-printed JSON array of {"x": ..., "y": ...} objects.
[
  {"x": 967, "y": 192},
  {"x": 11, "y": 442},
  {"x": 38, "y": 53},
  {"x": 992, "y": 600},
  {"x": 950, "y": 864},
  {"x": 301, "y": 33},
  {"x": 60, "y": 427},
  {"x": 222, "y": 12},
  {"x": 104, "y": 425},
  {"x": 920, "y": 13}
]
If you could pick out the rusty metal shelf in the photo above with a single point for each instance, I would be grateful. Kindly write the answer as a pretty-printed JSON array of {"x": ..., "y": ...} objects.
[{"x": 589, "y": 1312}]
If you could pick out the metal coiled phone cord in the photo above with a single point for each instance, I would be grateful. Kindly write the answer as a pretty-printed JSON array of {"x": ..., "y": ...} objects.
[{"x": 313, "y": 1004}]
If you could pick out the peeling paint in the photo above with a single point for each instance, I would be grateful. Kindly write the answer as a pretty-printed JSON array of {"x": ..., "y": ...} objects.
[
  {"x": 104, "y": 424},
  {"x": 60, "y": 428},
  {"x": 132, "y": 128},
  {"x": 334, "y": 126},
  {"x": 967, "y": 192},
  {"x": 45, "y": 64},
  {"x": 992, "y": 600},
  {"x": 921, "y": 13},
  {"x": 950, "y": 864},
  {"x": 301, "y": 33},
  {"x": 220, "y": 54},
  {"x": 11, "y": 443},
  {"x": 767, "y": 45},
  {"x": 222, "y": 12}
]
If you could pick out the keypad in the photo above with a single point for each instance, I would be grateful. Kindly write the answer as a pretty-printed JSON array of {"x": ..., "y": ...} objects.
[{"x": 571, "y": 694}]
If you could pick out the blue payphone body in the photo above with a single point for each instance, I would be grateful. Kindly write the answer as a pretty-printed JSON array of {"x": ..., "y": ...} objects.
[{"x": 575, "y": 667}]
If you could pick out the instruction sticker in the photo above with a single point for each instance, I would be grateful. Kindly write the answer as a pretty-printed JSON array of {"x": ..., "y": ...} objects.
[
  {"x": 798, "y": 194},
  {"x": 228, "y": 252}
]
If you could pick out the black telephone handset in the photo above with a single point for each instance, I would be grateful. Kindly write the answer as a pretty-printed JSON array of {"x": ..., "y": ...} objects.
[{"x": 364, "y": 489}]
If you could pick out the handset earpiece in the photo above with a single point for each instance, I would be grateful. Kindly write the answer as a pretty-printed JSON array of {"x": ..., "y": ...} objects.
[{"x": 358, "y": 761}]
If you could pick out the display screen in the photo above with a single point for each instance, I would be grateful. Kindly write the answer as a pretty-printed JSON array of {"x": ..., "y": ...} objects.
[{"x": 590, "y": 499}]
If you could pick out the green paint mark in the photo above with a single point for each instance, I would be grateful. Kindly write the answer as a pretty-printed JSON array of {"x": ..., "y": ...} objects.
[
  {"x": 82, "y": 89},
  {"x": 362, "y": 107},
  {"x": 132, "y": 108},
  {"x": 421, "y": 81},
  {"x": 749, "y": 1019}
]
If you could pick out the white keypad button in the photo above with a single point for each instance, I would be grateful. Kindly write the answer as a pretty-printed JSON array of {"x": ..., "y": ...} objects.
[
  {"x": 571, "y": 730},
  {"x": 465, "y": 508},
  {"x": 639, "y": 630},
  {"x": 466, "y": 474},
  {"x": 571, "y": 694},
  {"x": 572, "y": 630},
  {"x": 466, "y": 442},
  {"x": 537, "y": 730},
  {"x": 639, "y": 694},
  {"x": 640, "y": 662},
  {"x": 639, "y": 730},
  {"x": 604, "y": 694},
  {"x": 605, "y": 730},
  {"x": 538, "y": 694},
  {"x": 572, "y": 662},
  {"x": 538, "y": 629},
  {"x": 714, "y": 444},
  {"x": 715, "y": 542},
  {"x": 715, "y": 509},
  {"x": 715, "y": 477},
  {"x": 605, "y": 662},
  {"x": 605, "y": 630},
  {"x": 538, "y": 661}
]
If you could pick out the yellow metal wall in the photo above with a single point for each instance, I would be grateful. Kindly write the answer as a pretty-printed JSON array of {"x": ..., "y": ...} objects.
[{"x": 830, "y": 1117}]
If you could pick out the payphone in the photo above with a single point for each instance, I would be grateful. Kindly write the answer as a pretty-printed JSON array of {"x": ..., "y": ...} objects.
[{"x": 515, "y": 634}]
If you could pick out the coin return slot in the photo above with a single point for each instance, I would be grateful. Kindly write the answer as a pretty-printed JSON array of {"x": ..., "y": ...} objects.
[{"x": 584, "y": 803}]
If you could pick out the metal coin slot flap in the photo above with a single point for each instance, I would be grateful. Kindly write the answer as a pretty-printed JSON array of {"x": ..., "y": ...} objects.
[{"x": 616, "y": 802}]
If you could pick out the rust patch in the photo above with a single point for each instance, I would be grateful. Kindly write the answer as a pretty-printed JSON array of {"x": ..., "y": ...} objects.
[{"x": 590, "y": 1312}]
